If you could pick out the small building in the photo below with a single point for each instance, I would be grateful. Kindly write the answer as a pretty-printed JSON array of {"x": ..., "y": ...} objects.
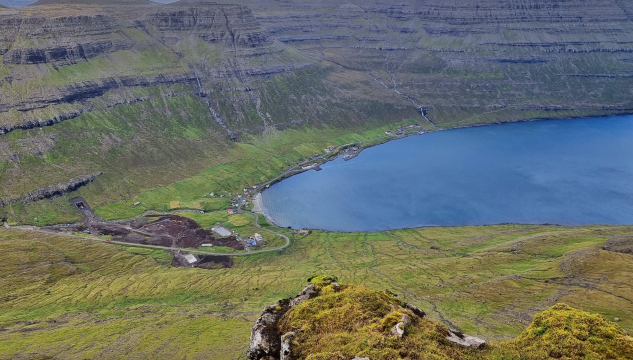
[
  {"x": 222, "y": 231},
  {"x": 207, "y": 245},
  {"x": 230, "y": 211},
  {"x": 190, "y": 258},
  {"x": 258, "y": 237}
]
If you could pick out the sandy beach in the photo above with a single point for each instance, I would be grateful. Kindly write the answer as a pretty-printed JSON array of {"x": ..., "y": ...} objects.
[
  {"x": 258, "y": 207},
  {"x": 257, "y": 204}
]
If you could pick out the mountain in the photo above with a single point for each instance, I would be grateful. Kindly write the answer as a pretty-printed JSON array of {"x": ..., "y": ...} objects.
[
  {"x": 474, "y": 61},
  {"x": 16, "y": 3},
  {"x": 145, "y": 94},
  {"x": 139, "y": 95}
]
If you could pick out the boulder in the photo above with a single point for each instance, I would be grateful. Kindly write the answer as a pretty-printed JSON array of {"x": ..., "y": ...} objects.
[
  {"x": 416, "y": 310},
  {"x": 457, "y": 337},
  {"x": 265, "y": 340},
  {"x": 308, "y": 293},
  {"x": 401, "y": 326}
]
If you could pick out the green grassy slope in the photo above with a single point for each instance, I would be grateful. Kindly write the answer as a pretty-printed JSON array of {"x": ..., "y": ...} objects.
[{"x": 64, "y": 297}]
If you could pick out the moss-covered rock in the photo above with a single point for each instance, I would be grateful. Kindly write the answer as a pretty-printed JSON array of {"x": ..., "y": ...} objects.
[
  {"x": 340, "y": 321},
  {"x": 346, "y": 321},
  {"x": 563, "y": 332}
]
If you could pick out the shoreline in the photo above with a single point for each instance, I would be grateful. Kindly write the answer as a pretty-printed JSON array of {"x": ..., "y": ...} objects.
[
  {"x": 258, "y": 205},
  {"x": 258, "y": 208}
]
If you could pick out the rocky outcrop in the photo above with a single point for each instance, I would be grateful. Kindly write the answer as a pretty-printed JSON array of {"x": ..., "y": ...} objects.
[
  {"x": 54, "y": 190},
  {"x": 458, "y": 338},
  {"x": 57, "y": 24},
  {"x": 286, "y": 343},
  {"x": 229, "y": 24},
  {"x": 400, "y": 327},
  {"x": 620, "y": 243},
  {"x": 92, "y": 89},
  {"x": 266, "y": 342},
  {"x": 68, "y": 54},
  {"x": 416, "y": 310},
  {"x": 31, "y": 124}
]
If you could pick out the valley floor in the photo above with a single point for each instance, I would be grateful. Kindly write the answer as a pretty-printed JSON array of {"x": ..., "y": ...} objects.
[{"x": 64, "y": 297}]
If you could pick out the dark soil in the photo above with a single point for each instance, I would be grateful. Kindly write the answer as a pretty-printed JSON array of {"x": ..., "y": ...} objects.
[
  {"x": 213, "y": 262},
  {"x": 204, "y": 262},
  {"x": 168, "y": 230}
]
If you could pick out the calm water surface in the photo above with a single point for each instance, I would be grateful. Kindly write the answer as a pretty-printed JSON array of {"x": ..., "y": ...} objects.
[{"x": 567, "y": 172}]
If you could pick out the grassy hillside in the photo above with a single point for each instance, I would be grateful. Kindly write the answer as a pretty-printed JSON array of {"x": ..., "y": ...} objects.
[{"x": 63, "y": 297}]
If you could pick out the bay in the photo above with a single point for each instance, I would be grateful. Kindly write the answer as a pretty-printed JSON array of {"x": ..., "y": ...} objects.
[{"x": 568, "y": 172}]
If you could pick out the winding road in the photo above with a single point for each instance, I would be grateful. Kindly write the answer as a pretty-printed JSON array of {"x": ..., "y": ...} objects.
[{"x": 287, "y": 239}]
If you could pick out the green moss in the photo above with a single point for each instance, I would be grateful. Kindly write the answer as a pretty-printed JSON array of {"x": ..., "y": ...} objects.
[
  {"x": 320, "y": 281},
  {"x": 568, "y": 333},
  {"x": 351, "y": 321}
]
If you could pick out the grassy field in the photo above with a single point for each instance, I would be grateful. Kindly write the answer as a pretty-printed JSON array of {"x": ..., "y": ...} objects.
[{"x": 63, "y": 297}]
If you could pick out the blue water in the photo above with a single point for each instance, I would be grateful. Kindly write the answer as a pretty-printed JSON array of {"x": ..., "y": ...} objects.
[{"x": 569, "y": 172}]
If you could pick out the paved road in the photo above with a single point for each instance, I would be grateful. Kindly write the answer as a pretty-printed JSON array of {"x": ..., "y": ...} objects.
[{"x": 270, "y": 231}]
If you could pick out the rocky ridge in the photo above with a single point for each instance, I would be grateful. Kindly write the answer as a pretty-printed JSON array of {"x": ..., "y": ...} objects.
[
  {"x": 268, "y": 343},
  {"x": 53, "y": 191},
  {"x": 329, "y": 320}
]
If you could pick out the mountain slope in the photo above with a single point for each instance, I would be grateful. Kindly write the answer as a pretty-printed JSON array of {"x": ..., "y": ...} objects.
[
  {"x": 148, "y": 94},
  {"x": 474, "y": 61}
]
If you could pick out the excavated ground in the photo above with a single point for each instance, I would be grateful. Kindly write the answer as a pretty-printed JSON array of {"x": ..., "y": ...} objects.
[
  {"x": 167, "y": 230},
  {"x": 208, "y": 262}
]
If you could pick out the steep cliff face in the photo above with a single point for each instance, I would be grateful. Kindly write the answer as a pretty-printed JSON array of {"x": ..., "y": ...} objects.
[
  {"x": 474, "y": 61},
  {"x": 231, "y": 25},
  {"x": 95, "y": 87}
]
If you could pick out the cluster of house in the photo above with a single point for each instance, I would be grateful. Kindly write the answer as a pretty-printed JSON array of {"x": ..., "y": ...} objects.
[
  {"x": 252, "y": 241},
  {"x": 255, "y": 240},
  {"x": 400, "y": 131},
  {"x": 351, "y": 152}
]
